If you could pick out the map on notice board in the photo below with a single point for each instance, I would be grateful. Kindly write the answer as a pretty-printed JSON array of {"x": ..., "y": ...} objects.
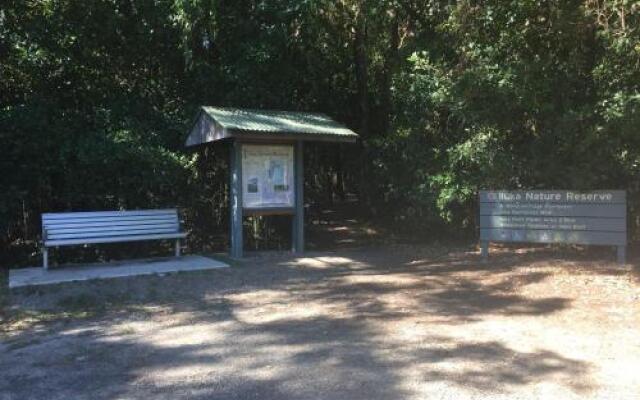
[{"x": 267, "y": 176}]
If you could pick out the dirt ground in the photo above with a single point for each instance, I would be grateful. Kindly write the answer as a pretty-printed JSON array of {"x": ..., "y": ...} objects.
[{"x": 399, "y": 323}]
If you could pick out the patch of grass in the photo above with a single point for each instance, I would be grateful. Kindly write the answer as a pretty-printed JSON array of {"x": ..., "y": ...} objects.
[
  {"x": 21, "y": 320},
  {"x": 81, "y": 302},
  {"x": 12, "y": 320}
]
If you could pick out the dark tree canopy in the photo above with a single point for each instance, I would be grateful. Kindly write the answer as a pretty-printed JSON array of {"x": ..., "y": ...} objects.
[{"x": 449, "y": 97}]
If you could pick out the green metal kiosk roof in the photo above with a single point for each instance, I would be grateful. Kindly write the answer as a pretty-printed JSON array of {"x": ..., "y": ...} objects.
[{"x": 218, "y": 123}]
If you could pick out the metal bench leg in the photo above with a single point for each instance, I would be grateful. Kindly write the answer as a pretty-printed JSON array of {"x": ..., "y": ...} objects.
[
  {"x": 177, "y": 247},
  {"x": 45, "y": 258}
]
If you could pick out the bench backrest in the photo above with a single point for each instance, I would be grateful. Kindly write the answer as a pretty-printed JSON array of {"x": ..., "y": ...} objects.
[{"x": 83, "y": 225}]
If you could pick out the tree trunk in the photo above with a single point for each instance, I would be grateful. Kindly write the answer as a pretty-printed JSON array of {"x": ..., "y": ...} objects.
[
  {"x": 389, "y": 67},
  {"x": 362, "y": 70}
]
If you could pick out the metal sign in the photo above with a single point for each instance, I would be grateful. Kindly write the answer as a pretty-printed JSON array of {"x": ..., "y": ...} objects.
[{"x": 559, "y": 216}]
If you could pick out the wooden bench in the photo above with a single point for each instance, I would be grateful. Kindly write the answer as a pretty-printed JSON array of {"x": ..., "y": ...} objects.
[{"x": 74, "y": 228}]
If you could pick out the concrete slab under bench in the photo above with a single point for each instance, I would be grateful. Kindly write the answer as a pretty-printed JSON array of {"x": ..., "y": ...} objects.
[{"x": 40, "y": 276}]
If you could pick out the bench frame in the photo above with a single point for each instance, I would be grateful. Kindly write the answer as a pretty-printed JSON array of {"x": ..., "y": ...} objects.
[{"x": 75, "y": 228}]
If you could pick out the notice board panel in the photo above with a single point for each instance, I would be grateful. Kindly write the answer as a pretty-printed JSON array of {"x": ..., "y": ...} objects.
[{"x": 267, "y": 176}]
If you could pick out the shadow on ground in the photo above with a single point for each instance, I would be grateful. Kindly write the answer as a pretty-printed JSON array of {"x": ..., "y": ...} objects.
[{"x": 358, "y": 325}]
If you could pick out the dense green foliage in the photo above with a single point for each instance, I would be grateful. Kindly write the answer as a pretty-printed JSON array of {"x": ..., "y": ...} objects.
[{"x": 449, "y": 96}]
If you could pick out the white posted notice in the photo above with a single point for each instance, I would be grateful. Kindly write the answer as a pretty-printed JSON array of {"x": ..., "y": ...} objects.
[{"x": 267, "y": 176}]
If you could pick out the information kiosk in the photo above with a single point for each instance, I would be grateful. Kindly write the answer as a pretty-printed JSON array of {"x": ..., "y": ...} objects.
[{"x": 266, "y": 161}]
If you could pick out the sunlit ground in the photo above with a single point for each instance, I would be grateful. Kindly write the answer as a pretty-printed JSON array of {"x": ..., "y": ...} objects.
[{"x": 410, "y": 323}]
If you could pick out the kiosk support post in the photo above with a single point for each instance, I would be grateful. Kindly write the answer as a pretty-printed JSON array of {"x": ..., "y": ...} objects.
[
  {"x": 235, "y": 174},
  {"x": 298, "y": 216},
  {"x": 484, "y": 251}
]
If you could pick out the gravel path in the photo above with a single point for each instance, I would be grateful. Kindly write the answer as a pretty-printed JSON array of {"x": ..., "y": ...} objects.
[{"x": 370, "y": 324}]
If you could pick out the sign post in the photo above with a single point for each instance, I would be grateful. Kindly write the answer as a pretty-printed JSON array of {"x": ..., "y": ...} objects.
[
  {"x": 559, "y": 216},
  {"x": 235, "y": 198},
  {"x": 298, "y": 216},
  {"x": 484, "y": 251}
]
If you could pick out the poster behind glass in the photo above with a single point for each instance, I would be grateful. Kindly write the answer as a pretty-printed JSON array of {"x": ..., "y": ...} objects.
[{"x": 267, "y": 176}]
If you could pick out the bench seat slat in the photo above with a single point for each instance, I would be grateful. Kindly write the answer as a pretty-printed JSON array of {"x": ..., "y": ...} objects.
[
  {"x": 53, "y": 216},
  {"x": 116, "y": 239},
  {"x": 114, "y": 221},
  {"x": 96, "y": 234},
  {"x": 111, "y": 228},
  {"x": 110, "y": 220},
  {"x": 131, "y": 218}
]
